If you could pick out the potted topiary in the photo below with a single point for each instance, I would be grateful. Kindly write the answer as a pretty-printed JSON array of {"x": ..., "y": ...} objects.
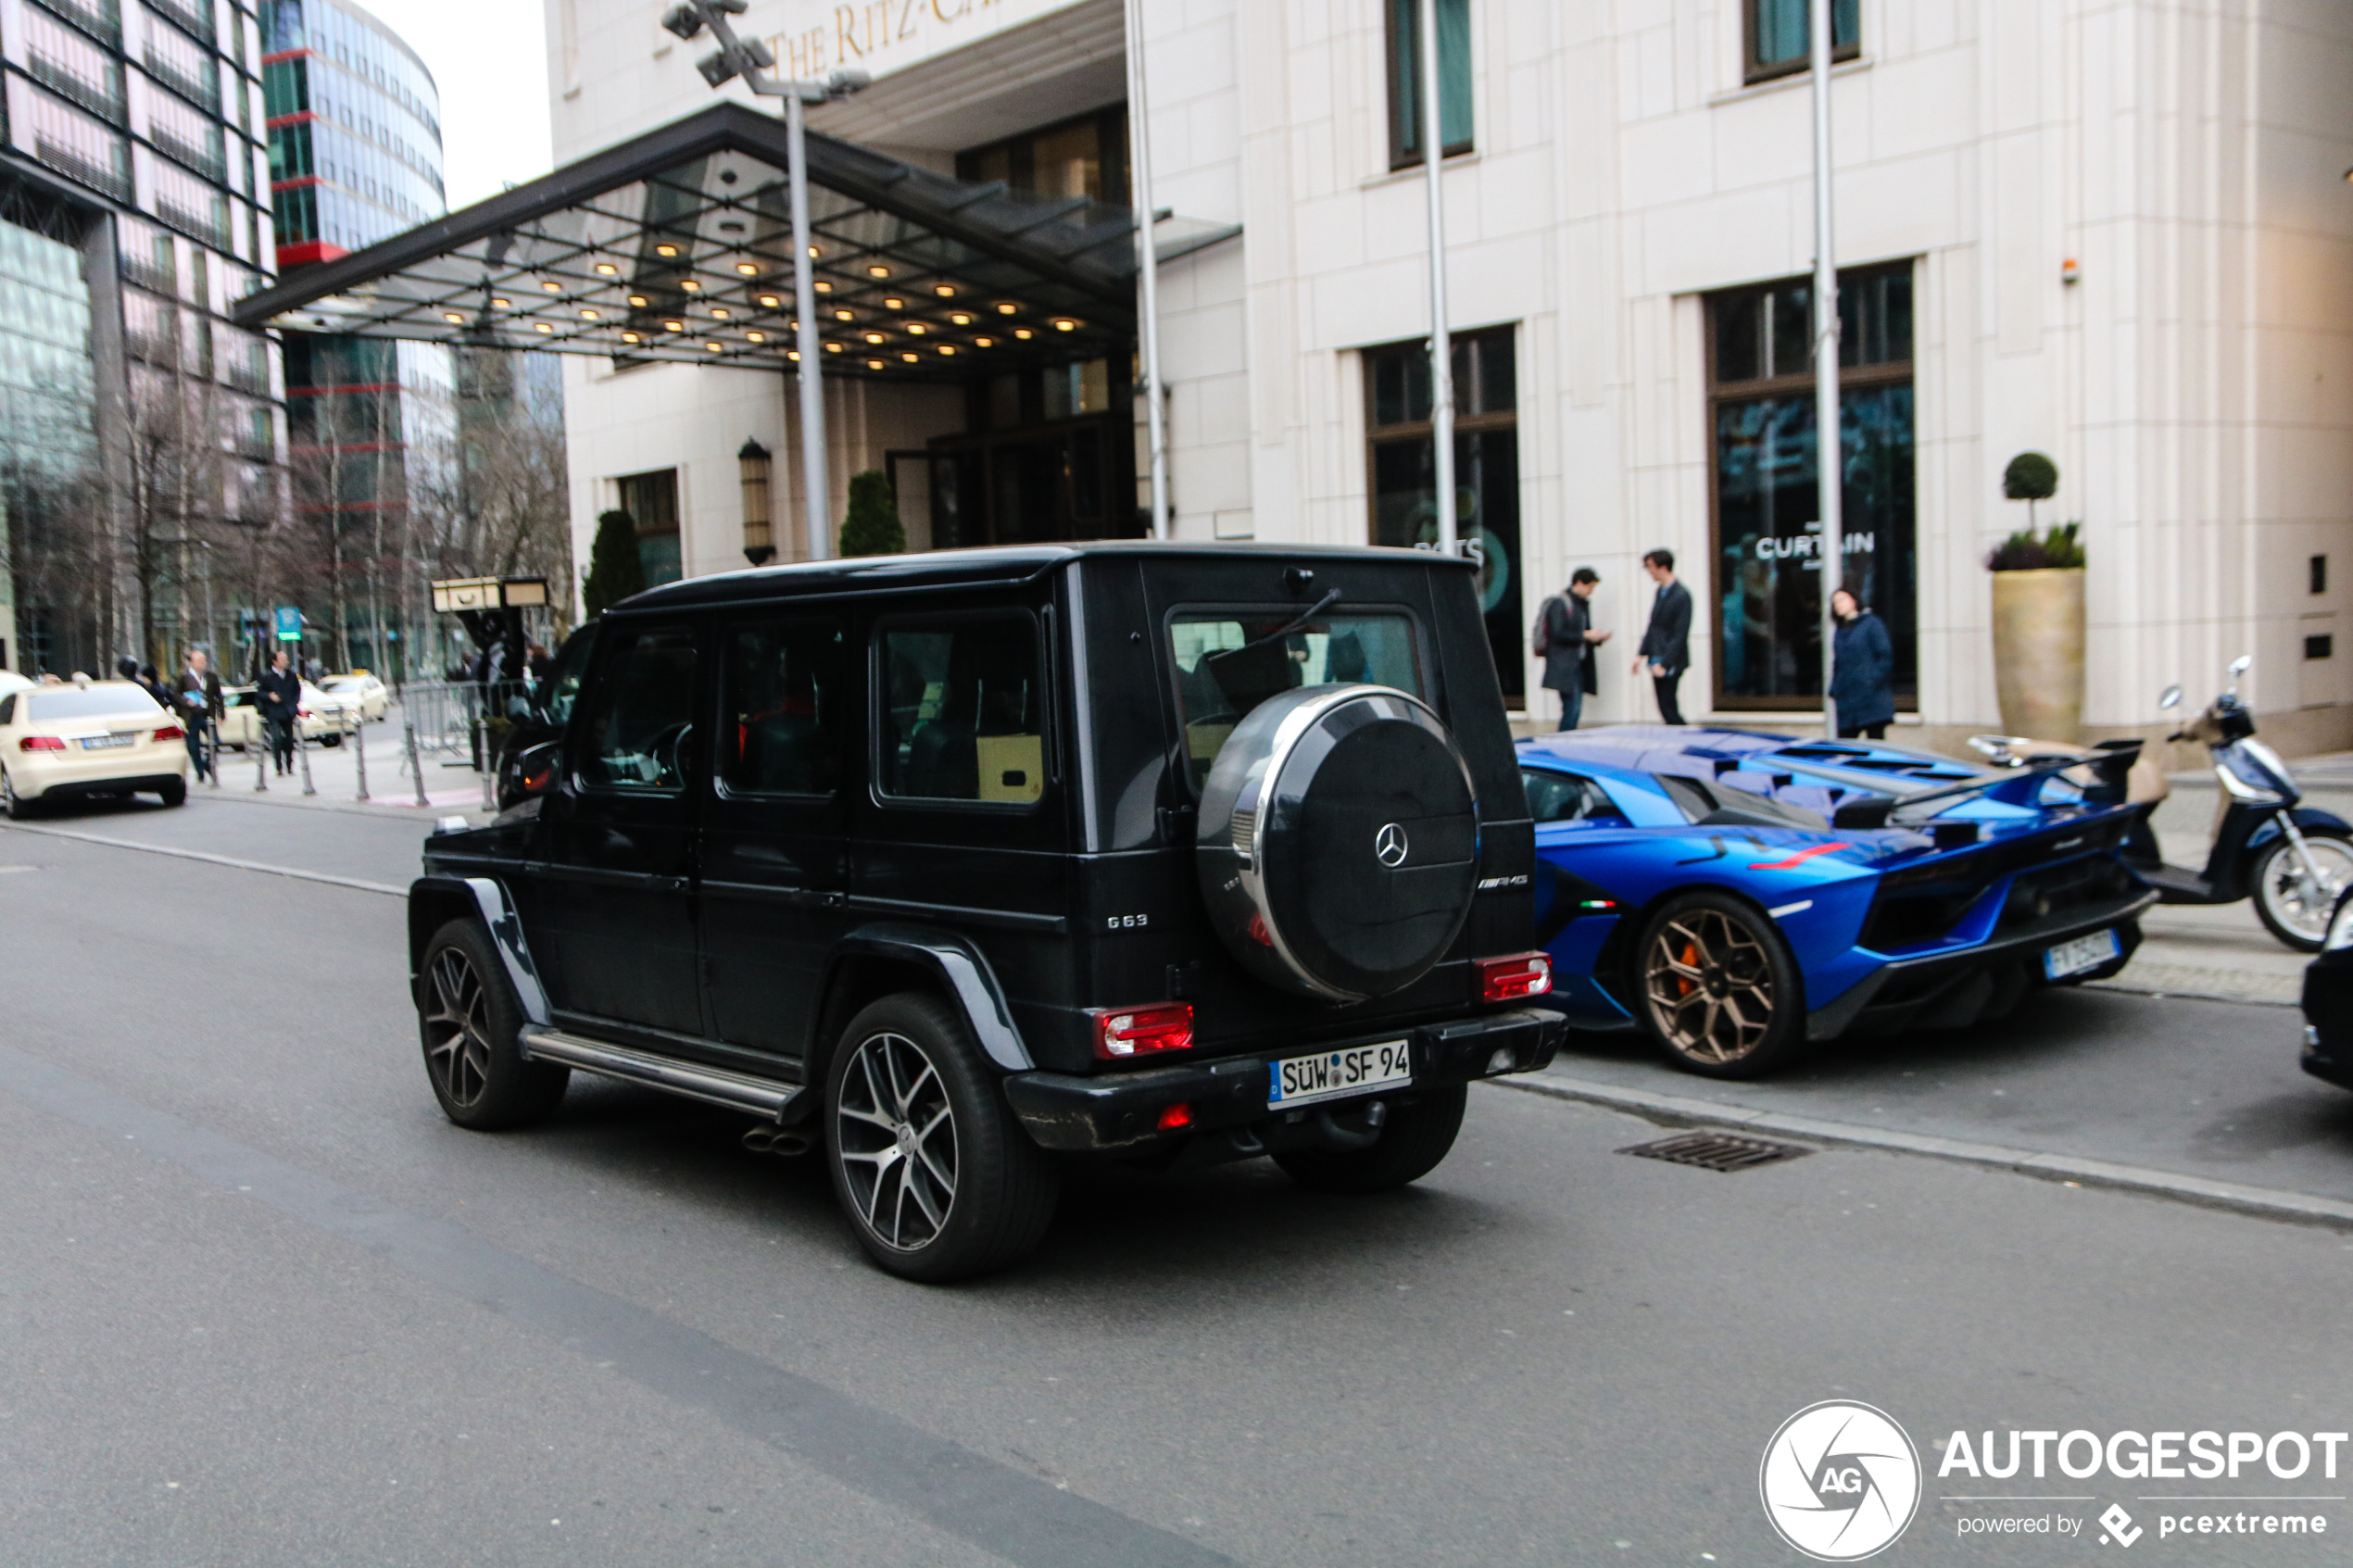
[
  {"x": 2038, "y": 613},
  {"x": 872, "y": 527}
]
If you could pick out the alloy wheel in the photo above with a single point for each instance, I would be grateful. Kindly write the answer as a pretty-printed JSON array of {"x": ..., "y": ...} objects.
[
  {"x": 2295, "y": 898},
  {"x": 457, "y": 1043},
  {"x": 895, "y": 1134},
  {"x": 1709, "y": 983}
]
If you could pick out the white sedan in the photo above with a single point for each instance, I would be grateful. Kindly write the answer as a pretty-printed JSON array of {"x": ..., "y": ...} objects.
[
  {"x": 91, "y": 738},
  {"x": 372, "y": 695}
]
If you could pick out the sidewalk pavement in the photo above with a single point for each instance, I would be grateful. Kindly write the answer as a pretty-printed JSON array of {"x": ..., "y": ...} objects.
[{"x": 450, "y": 790}]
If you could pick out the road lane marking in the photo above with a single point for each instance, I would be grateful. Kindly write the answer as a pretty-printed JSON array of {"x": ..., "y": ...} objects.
[
  {"x": 1688, "y": 1111},
  {"x": 956, "y": 1490},
  {"x": 230, "y": 860}
]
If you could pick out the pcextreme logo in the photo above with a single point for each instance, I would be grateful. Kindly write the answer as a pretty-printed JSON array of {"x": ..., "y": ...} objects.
[{"x": 1841, "y": 1481}]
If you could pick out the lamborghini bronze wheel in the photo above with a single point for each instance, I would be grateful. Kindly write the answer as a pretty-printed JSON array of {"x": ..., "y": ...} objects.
[{"x": 1718, "y": 989}]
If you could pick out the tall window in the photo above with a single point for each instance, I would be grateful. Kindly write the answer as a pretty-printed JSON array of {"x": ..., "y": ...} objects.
[
  {"x": 1401, "y": 459},
  {"x": 1767, "y": 512},
  {"x": 651, "y": 501},
  {"x": 1406, "y": 80},
  {"x": 1780, "y": 36}
]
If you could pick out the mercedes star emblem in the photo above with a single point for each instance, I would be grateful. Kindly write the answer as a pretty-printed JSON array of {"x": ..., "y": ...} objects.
[{"x": 1388, "y": 846}]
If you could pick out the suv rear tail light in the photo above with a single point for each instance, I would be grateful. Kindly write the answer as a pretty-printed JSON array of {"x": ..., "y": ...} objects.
[
  {"x": 1121, "y": 1033},
  {"x": 40, "y": 743},
  {"x": 171, "y": 732},
  {"x": 1514, "y": 978}
]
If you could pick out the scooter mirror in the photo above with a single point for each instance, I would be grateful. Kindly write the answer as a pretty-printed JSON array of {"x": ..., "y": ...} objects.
[
  {"x": 2241, "y": 665},
  {"x": 2173, "y": 697}
]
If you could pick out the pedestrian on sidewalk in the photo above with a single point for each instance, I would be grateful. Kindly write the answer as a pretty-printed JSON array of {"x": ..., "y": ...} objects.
[
  {"x": 1862, "y": 665},
  {"x": 1566, "y": 640},
  {"x": 1665, "y": 652},
  {"x": 197, "y": 694},
  {"x": 281, "y": 692}
]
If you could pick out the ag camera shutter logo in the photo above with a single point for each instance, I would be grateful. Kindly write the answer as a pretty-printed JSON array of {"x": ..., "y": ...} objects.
[{"x": 1841, "y": 1481}]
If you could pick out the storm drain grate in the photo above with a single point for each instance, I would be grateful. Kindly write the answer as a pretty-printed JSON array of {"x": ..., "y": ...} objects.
[{"x": 1717, "y": 1151}]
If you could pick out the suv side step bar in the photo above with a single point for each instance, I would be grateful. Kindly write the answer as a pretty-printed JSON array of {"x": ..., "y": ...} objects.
[{"x": 715, "y": 1085}]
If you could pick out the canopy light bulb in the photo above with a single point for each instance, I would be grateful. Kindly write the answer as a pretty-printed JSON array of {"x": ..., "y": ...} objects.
[
  {"x": 1023, "y": 333},
  {"x": 720, "y": 311},
  {"x": 833, "y": 348},
  {"x": 746, "y": 269},
  {"x": 945, "y": 291},
  {"x": 588, "y": 316},
  {"x": 878, "y": 271},
  {"x": 690, "y": 286},
  {"x": 451, "y": 315},
  {"x": 638, "y": 299},
  {"x": 769, "y": 301},
  {"x": 841, "y": 315},
  {"x": 874, "y": 337},
  {"x": 1007, "y": 308},
  {"x": 757, "y": 337},
  {"x": 630, "y": 337},
  {"x": 947, "y": 348},
  {"x": 961, "y": 318},
  {"x": 713, "y": 346},
  {"x": 499, "y": 304},
  {"x": 607, "y": 268},
  {"x": 1064, "y": 324},
  {"x": 665, "y": 250},
  {"x": 673, "y": 326},
  {"x": 873, "y": 364},
  {"x": 918, "y": 328},
  {"x": 984, "y": 343},
  {"x": 894, "y": 304},
  {"x": 543, "y": 326},
  {"x": 824, "y": 287},
  {"x": 552, "y": 286}
]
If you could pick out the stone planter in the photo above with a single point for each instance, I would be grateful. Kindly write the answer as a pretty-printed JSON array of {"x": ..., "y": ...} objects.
[{"x": 2038, "y": 652}]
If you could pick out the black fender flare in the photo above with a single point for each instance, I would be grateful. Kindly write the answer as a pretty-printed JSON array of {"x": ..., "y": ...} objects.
[
  {"x": 962, "y": 970},
  {"x": 435, "y": 900}
]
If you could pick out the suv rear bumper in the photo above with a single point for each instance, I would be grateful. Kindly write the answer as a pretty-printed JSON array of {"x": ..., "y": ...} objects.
[{"x": 1119, "y": 1110}]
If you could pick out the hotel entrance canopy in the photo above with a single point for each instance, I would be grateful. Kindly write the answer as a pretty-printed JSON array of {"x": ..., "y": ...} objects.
[{"x": 677, "y": 246}]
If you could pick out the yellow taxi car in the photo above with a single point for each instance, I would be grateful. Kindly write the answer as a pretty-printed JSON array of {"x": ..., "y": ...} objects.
[
  {"x": 361, "y": 688},
  {"x": 89, "y": 738}
]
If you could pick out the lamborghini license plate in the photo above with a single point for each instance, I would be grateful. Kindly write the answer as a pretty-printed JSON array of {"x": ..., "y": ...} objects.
[{"x": 2084, "y": 952}]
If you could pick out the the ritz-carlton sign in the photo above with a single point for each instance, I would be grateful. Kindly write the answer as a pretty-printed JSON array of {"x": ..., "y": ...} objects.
[{"x": 878, "y": 36}]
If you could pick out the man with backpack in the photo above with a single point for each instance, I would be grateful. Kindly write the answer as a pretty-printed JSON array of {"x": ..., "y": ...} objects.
[{"x": 1565, "y": 640}]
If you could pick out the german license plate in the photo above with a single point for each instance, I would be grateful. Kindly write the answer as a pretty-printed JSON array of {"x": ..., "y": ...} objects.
[
  {"x": 1352, "y": 1069},
  {"x": 106, "y": 743},
  {"x": 2084, "y": 952}
]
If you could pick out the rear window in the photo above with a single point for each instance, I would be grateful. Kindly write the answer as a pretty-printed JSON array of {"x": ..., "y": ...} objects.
[
  {"x": 963, "y": 708},
  {"x": 1230, "y": 661},
  {"x": 98, "y": 702}
]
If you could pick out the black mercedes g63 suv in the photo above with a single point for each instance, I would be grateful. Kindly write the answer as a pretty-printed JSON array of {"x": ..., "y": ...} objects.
[{"x": 951, "y": 866}]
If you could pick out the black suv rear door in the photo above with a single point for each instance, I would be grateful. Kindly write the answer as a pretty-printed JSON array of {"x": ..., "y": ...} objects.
[{"x": 775, "y": 851}]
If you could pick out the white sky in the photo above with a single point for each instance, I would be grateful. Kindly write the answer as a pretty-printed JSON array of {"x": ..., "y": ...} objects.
[{"x": 489, "y": 58}]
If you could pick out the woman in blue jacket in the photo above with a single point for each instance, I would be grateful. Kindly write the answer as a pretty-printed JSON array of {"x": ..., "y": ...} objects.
[{"x": 1862, "y": 659}]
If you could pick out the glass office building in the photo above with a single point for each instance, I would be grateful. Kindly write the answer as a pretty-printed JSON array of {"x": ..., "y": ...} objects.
[
  {"x": 133, "y": 216},
  {"x": 355, "y": 158}
]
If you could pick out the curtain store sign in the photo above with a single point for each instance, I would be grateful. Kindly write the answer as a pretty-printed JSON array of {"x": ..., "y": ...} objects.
[{"x": 880, "y": 36}]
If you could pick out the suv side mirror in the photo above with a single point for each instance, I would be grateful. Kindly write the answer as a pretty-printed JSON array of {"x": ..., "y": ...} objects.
[{"x": 535, "y": 770}]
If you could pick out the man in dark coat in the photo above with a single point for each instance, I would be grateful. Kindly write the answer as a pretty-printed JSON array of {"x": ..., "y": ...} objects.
[
  {"x": 1862, "y": 668},
  {"x": 1666, "y": 642},
  {"x": 281, "y": 692},
  {"x": 1569, "y": 642},
  {"x": 197, "y": 694}
]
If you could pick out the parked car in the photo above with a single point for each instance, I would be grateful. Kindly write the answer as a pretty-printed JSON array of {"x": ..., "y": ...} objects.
[
  {"x": 373, "y": 695},
  {"x": 1737, "y": 895},
  {"x": 12, "y": 681},
  {"x": 321, "y": 719},
  {"x": 97, "y": 739},
  {"x": 1168, "y": 855},
  {"x": 2328, "y": 1001}
]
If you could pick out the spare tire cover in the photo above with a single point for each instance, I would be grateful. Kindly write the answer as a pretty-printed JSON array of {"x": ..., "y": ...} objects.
[{"x": 1337, "y": 845}]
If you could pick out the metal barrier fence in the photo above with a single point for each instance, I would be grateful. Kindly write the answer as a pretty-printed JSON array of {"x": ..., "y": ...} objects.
[{"x": 458, "y": 724}]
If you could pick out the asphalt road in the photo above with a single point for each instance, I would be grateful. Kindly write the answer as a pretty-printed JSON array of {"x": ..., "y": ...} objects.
[{"x": 259, "y": 1304}]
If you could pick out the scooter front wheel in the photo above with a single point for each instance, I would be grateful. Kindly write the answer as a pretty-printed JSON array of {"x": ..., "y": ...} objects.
[{"x": 2293, "y": 905}]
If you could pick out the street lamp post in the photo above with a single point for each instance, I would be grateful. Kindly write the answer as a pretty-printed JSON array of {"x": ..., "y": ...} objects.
[
  {"x": 1148, "y": 265},
  {"x": 751, "y": 61},
  {"x": 1829, "y": 451},
  {"x": 1442, "y": 347}
]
